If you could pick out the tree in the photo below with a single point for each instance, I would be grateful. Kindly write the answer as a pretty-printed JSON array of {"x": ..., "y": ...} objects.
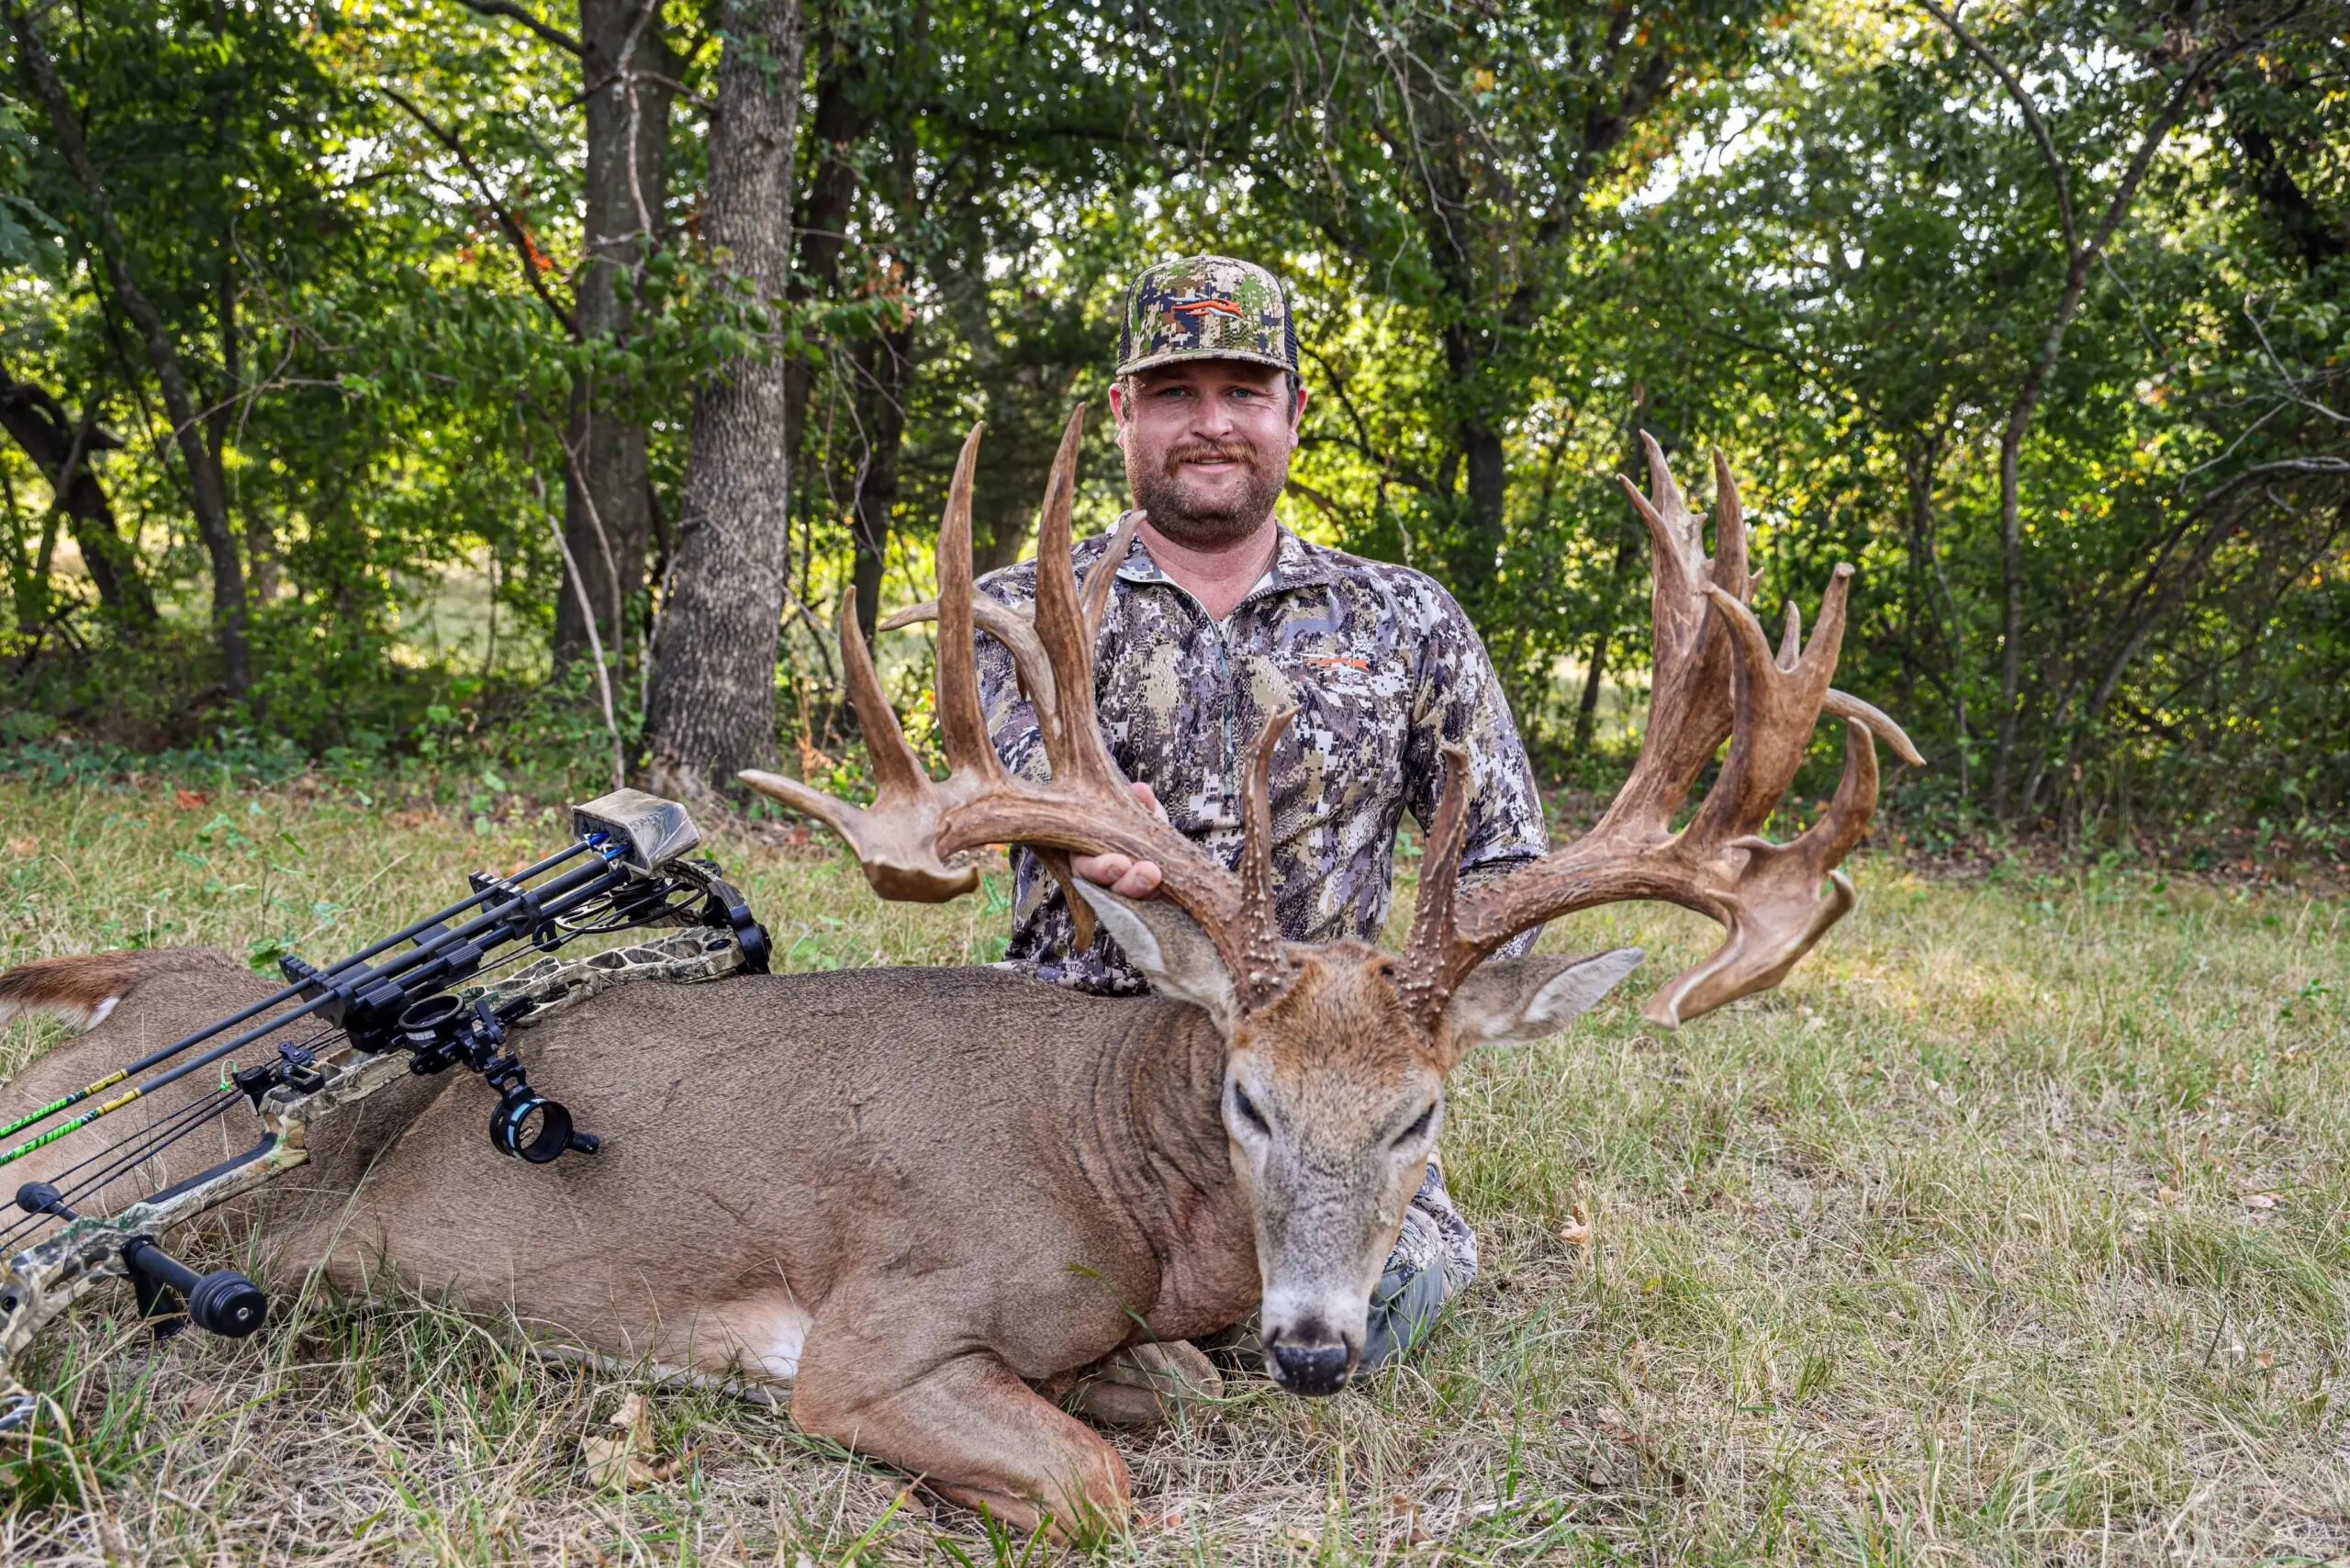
[
  {"x": 712, "y": 702},
  {"x": 208, "y": 492}
]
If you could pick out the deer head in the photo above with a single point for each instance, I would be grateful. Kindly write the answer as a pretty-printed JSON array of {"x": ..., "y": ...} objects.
[{"x": 1336, "y": 1054}]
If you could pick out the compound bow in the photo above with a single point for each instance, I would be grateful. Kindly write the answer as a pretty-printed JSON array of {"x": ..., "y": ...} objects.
[{"x": 386, "y": 1013}]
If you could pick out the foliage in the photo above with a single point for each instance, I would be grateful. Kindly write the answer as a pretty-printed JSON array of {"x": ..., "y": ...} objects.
[{"x": 1828, "y": 239}]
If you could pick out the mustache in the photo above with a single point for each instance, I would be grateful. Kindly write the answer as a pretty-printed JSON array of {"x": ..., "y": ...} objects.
[{"x": 1201, "y": 449}]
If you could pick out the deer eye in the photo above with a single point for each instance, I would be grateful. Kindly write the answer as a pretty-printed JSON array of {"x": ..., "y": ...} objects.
[
  {"x": 1418, "y": 1127},
  {"x": 1248, "y": 1112}
]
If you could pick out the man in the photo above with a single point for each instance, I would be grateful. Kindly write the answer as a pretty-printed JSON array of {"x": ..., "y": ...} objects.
[{"x": 1219, "y": 616}]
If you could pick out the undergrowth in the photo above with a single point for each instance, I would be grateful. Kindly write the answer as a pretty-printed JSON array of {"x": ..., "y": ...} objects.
[{"x": 2010, "y": 1229}]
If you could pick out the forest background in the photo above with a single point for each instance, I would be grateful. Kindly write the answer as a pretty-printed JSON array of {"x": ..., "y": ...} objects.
[{"x": 476, "y": 388}]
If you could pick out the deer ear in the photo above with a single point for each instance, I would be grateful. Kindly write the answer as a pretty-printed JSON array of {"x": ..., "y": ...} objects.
[
  {"x": 1167, "y": 946},
  {"x": 1518, "y": 1000}
]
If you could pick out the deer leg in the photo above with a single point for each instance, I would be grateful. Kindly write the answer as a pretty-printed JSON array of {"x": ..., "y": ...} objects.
[{"x": 968, "y": 1428}]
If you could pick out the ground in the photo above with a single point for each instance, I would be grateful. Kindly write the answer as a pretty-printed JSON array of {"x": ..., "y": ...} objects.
[{"x": 2010, "y": 1229}]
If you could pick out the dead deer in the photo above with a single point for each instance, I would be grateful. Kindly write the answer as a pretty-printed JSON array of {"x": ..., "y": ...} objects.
[{"x": 925, "y": 1199}]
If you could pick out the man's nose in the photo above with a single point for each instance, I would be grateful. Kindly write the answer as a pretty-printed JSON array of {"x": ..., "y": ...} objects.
[{"x": 1211, "y": 417}]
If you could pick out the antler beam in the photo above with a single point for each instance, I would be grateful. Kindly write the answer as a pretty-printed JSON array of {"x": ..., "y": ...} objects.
[{"x": 1716, "y": 678}]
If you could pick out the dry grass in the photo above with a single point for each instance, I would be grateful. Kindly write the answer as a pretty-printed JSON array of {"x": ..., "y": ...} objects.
[{"x": 2010, "y": 1230}]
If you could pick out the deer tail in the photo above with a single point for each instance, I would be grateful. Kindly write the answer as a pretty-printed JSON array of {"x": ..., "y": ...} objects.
[{"x": 82, "y": 989}]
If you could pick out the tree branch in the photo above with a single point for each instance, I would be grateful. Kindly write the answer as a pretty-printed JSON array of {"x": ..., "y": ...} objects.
[
  {"x": 1975, "y": 47},
  {"x": 548, "y": 32},
  {"x": 524, "y": 252}
]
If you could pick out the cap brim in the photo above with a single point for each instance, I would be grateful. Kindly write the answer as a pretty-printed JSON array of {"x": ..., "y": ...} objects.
[{"x": 1172, "y": 356}]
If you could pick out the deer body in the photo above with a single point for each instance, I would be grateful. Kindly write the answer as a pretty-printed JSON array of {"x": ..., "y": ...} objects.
[{"x": 862, "y": 1182}]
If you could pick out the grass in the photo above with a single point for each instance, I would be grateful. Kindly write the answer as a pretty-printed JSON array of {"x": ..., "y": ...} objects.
[{"x": 2011, "y": 1230}]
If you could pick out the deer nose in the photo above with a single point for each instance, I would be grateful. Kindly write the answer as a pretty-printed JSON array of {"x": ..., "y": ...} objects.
[{"x": 1313, "y": 1368}]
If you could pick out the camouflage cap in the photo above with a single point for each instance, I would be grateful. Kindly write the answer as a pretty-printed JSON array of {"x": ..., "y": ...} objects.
[{"x": 1206, "y": 308}]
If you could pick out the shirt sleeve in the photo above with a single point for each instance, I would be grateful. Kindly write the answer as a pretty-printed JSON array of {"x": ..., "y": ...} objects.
[{"x": 1457, "y": 697}]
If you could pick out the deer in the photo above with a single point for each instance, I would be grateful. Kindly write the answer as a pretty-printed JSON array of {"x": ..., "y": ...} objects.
[{"x": 918, "y": 1202}]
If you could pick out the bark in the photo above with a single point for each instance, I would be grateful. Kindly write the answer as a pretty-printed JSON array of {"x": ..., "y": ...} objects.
[
  {"x": 204, "y": 477},
  {"x": 889, "y": 363},
  {"x": 608, "y": 514},
  {"x": 38, "y": 424},
  {"x": 840, "y": 119},
  {"x": 712, "y": 698}
]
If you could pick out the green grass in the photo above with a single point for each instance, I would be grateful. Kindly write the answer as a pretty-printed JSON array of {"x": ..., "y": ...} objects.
[{"x": 1940, "y": 1254}]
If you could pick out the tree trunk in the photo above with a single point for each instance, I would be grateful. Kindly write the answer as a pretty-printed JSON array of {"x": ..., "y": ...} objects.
[
  {"x": 712, "y": 700},
  {"x": 204, "y": 478},
  {"x": 608, "y": 515},
  {"x": 38, "y": 424},
  {"x": 889, "y": 365},
  {"x": 840, "y": 119}
]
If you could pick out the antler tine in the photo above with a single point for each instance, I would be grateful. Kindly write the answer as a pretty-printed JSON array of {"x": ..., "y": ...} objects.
[
  {"x": 1776, "y": 710},
  {"x": 1428, "y": 972},
  {"x": 1779, "y": 912},
  {"x": 1062, "y": 623},
  {"x": 1689, "y": 700},
  {"x": 1844, "y": 705},
  {"x": 1729, "y": 533},
  {"x": 1015, "y": 630},
  {"x": 962, "y": 726},
  {"x": 1263, "y": 968},
  {"x": 1104, "y": 576}
]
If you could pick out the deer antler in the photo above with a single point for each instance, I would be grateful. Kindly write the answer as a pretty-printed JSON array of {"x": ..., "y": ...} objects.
[
  {"x": 912, "y": 840},
  {"x": 1716, "y": 677}
]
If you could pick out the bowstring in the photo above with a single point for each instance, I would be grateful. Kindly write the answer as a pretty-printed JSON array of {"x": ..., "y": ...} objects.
[{"x": 128, "y": 1155}]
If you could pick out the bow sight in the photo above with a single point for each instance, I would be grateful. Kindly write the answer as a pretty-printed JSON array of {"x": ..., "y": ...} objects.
[{"x": 392, "y": 1009}]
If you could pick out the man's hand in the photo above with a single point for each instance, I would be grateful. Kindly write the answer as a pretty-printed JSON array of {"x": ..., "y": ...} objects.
[{"x": 1121, "y": 874}]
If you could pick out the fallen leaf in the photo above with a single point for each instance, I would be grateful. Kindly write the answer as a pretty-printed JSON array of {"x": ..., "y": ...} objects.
[
  {"x": 2263, "y": 1200},
  {"x": 624, "y": 1456},
  {"x": 1576, "y": 1232},
  {"x": 190, "y": 800}
]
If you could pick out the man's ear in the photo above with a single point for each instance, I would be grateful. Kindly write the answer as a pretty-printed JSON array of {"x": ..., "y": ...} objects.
[
  {"x": 1167, "y": 946},
  {"x": 1516, "y": 999}
]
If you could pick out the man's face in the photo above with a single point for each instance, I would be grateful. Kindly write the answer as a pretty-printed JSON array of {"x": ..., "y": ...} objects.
[{"x": 1207, "y": 445}]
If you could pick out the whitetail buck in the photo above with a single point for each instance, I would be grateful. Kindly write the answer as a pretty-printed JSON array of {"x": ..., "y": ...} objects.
[{"x": 921, "y": 1196}]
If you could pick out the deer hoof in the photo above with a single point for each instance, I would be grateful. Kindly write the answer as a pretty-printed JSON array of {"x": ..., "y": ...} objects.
[{"x": 1143, "y": 1385}]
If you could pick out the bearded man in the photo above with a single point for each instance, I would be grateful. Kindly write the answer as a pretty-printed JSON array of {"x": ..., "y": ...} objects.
[{"x": 1221, "y": 617}]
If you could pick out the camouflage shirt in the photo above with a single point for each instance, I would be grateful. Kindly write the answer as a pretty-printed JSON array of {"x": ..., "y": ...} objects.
[{"x": 1383, "y": 668}]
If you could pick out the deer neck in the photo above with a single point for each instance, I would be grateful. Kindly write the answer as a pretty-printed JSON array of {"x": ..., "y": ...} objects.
[{"x": 1164, "y": 1160}]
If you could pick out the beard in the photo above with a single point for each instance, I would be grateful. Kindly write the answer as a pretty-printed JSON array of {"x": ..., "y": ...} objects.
[{"x": 1179, "y": 511}]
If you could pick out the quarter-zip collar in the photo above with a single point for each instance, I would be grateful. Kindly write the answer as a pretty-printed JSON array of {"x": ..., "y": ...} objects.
[{"x": 1296, "y": 565}]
